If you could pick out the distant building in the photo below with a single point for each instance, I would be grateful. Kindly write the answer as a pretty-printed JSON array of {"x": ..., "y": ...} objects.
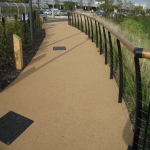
[
  {"x": 61, "y": 3},
  {"x": 142, "y": 5}
]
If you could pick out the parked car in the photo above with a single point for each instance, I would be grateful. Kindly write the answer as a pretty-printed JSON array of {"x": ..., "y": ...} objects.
[
  {"x": 48, "y": 12},
  {"x": 100, "y": 13},
  {"x": 42, "y": 14},
  {"x": 135, "y": 15},
  {"x": 55, "y": 11},
  {"x": 62, "y": 12}
]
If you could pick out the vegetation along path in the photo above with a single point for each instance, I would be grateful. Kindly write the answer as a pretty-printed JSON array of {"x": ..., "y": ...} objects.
[{"x": 69, "y": 96}]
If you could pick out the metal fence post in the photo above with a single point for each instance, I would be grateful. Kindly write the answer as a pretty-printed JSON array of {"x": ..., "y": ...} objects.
[
  {"x": 100, "y": 38},
  {"x": 96, "y": 34},
  {"x": 81, "y": 23},
  {"x": 75, "y": 19},
  {"x": 120, "y": 72},
  {"x": 105, "y": 45},
  {"x": 146, "y": 128},
  {"x": 92, "y": 31},
  {"x": 71, "y": 19},
  {"x": 85, "y": 25},
  {"x": 138, "y": 54},
  {"x": 68, "y": 18},
  {"x": 78, "y": 21},
  {"x": 111, "y": 56},
  {"x": 4, "y": 34},
  {"x": 88, "y": 28}
]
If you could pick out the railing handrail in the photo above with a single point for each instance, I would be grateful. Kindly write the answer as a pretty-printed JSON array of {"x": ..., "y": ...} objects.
[
  {"x": 145, "y": 53},
  {"x": 118, "y": 67}
]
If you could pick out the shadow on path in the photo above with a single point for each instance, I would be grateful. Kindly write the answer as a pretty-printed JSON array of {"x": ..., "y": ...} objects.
[
  {"x": 33, "y": 69},
  {"x": 59, "y": 40}
]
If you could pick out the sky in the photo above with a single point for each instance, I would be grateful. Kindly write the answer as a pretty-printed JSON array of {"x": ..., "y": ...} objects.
[{"x": 147, "y": 2}]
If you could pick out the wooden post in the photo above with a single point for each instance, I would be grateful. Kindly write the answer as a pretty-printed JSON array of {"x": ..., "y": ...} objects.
[{"x": 18, "y": 52}]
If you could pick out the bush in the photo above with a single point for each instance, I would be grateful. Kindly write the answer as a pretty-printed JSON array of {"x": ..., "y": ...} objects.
[{"x": 22, "y": 29}]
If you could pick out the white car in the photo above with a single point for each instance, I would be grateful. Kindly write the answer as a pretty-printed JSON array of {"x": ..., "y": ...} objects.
[
  {"x": 48, "y": 12},
  {"x": 63, "y": 12},
  {"x": 55, "y": 11},
  {"x": 43, "y": 15}
]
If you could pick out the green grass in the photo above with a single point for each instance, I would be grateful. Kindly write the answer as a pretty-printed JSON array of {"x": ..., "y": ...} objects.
[{"x": 138, "y": 33}]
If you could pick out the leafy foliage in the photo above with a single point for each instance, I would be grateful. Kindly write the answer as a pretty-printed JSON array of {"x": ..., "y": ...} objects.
[
  {"x": 69, "y": 5},
  {"x": 22, "y": 29}
]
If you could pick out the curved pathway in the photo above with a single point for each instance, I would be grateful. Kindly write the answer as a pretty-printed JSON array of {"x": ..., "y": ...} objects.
[{"x": 69, "y": 96}]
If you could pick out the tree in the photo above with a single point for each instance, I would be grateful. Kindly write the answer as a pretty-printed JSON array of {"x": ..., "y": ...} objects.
[
  {"x": 111, "y": 3},
  {"x": 69, "y": 5},
  {"x": 148, "y": 10},
  {"x": 130, "y": 6},
  {"x": 138, "y": 9},
  {"x": 119, "y": 4},
  {"x": 124, "y": 5},
  {"x": 107, "y": 5},
  {"x": 80, "y": 4},
  {"x": 90, "y": 4},
  {"x": 57, "y": 3}
]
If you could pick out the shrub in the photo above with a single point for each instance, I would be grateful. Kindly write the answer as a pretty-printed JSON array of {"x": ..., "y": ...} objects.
[{"x": 22, "y": 29}]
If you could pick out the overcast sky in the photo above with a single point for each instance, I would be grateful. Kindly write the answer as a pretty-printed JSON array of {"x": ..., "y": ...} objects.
[{"x": 147, "y": 2}]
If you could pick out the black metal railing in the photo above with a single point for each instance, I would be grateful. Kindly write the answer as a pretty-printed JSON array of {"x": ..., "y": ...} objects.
[{"x": 126, "y": 63}]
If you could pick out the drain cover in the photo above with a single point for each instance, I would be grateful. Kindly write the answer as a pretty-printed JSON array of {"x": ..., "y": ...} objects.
[
  {"x": 11, "y": 126},
  {"x": 59, "y": 48}
]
